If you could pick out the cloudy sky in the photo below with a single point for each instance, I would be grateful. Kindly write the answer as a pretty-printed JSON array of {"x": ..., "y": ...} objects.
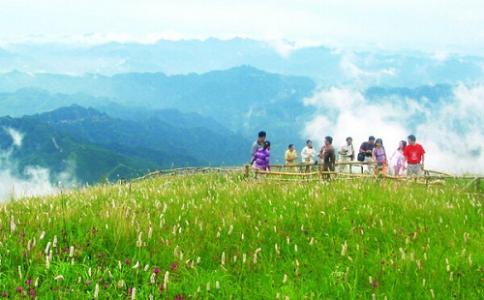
[{"x": 435, "y": 25}]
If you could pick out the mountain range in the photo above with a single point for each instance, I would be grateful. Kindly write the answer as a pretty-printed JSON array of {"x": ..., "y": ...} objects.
[
  {"x": 326, "y": 65},
  {"x": 244, "y": 99}
]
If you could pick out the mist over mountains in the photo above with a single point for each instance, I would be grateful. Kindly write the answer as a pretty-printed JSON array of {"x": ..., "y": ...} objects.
[{"x": 119, "y": 110}]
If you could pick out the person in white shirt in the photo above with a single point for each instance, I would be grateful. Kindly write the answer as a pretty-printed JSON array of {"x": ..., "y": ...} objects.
[
  {"x": 308, "y": 154},
  {"x": 346, "y": 154}
]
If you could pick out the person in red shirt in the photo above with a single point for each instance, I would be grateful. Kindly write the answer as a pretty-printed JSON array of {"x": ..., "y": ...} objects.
[{"x": 414, "y": 156}]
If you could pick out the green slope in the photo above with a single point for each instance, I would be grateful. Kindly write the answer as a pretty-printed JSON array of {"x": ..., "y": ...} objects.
[{"x": 220, "y": 237}]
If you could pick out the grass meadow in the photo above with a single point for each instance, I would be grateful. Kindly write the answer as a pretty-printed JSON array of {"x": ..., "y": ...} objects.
[{"x": 219, "y": 236}]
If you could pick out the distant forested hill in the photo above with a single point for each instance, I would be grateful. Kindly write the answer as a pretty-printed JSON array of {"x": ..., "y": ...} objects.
[{"x": 99, "y": 146}]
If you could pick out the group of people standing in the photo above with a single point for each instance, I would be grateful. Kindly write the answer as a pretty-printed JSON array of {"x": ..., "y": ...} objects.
[{"x": 407, "y": 159}]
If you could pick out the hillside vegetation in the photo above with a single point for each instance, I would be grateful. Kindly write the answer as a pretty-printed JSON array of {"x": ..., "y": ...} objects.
[
  {"x": 92, "y": 146},
  {"x": 215, "y": 236}
]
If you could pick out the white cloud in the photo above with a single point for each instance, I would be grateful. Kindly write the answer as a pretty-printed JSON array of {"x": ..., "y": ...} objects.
[
  {"x": 351, "y": 115},
  {"x": 362, "y": 77},
  {"x": 285, "y": 47},
  {"x": 16, "y": 136},
  {"x": 33, "y": 181},
  {"x": 282, "y": 47},
  {"x": 460, "y": 149},
  {"x": 440, "y": 56},
  {"x": 340, "y": 98},
  {"x": 452, "y": 134}
]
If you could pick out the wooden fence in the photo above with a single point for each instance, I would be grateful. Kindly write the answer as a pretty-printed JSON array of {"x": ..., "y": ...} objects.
[
  {"x": 304, "y": 172},
  {"x": 187, "y": 170}
]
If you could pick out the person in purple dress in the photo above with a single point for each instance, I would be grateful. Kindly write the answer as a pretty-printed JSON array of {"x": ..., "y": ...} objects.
[
  {"x": 380, "y": 157},
  {"x": 261, "y": 158}
]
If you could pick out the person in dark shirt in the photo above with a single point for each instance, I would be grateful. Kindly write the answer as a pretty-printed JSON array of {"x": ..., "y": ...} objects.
[
  {"x": 327, "y": 155},
  {"x": 259, "y": 143},
  {"x": 366, "y": 153}
]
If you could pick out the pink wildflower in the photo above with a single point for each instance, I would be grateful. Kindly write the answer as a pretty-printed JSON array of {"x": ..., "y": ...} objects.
[
  {"x": 174, "y": 266},
  {"x": 33, "y": 293}
]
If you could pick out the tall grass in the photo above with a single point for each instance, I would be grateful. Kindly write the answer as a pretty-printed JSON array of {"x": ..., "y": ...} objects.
[{"x": 218, "y": 236}]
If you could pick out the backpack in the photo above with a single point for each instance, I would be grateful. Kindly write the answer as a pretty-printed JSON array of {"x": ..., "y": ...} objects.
[{"x": 361, "y": 156}]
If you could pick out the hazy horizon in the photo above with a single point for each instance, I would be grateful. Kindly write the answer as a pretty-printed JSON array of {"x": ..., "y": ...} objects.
[{"x": 433, "y": 26}]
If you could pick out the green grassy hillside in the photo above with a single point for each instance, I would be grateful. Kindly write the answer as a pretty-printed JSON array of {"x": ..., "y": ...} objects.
[{"x": 218, "y": 236}]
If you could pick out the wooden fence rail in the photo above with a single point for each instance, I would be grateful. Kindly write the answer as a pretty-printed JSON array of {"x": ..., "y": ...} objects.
[{"x": 300, "y": 173}]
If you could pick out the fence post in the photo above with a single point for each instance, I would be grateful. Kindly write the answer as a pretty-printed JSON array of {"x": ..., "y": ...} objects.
[
  {"x": 247, "y": 170},
  {"x": 478, "y": 184}
]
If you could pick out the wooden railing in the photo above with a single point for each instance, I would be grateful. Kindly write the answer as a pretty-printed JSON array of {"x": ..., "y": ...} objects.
[
  {"x": 302, "y": 166},
  {"x": 186, "y": 170},
  {"x": 316, "y": 172},
  {"x": 304, "y": 172}
]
